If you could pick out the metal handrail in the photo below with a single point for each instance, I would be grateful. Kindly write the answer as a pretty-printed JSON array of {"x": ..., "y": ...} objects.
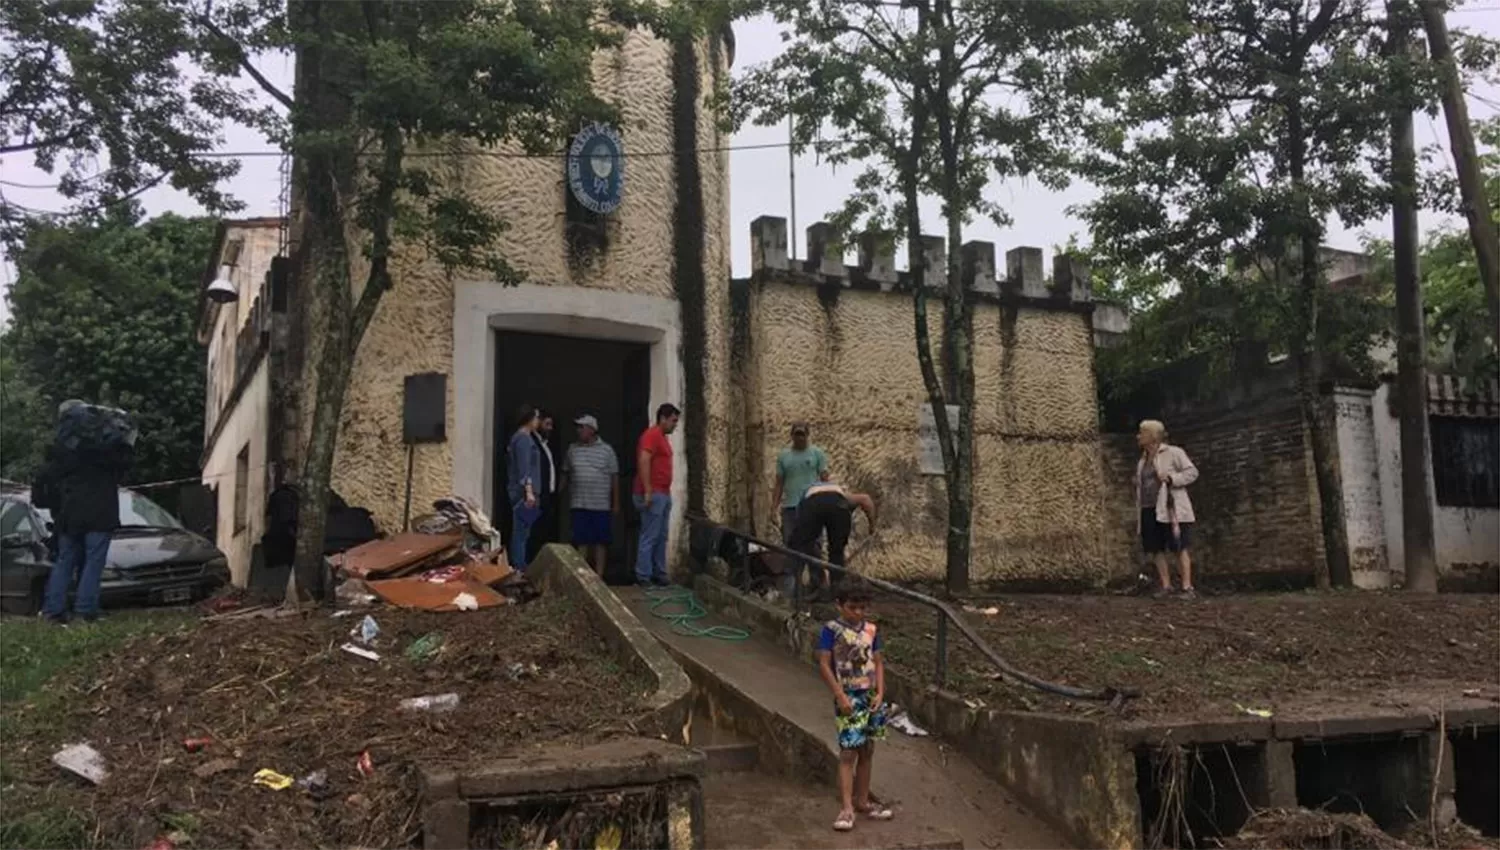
[{"x": 1114, "y": 696}]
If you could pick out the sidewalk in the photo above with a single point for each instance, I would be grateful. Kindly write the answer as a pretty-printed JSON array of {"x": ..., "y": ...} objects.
[{"x": 927, "y": 782}]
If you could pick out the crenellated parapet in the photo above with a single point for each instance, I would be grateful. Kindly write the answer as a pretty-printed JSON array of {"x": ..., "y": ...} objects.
[{"x": 1024, "y": 281}]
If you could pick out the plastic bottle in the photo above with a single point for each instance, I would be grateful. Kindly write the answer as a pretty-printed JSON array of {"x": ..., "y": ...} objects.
[{"x": 440, "y": 702}]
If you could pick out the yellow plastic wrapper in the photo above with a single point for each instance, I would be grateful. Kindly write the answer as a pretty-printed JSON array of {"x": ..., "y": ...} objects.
[{"x": 271, "y": 779}]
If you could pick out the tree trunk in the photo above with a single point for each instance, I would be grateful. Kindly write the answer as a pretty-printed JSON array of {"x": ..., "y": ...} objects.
[
  {"x": 1411, "y": 346},
  {"x": 1307, "y": 360},
  {"x": 958, "y": 337},
  {"x": 1477, "y": 207},
  {"x": 917, "y": 262},
  {"x": 335, "y": 363}
]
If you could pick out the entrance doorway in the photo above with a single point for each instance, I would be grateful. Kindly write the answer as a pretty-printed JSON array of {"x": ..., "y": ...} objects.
[{"x": 569, "y": 377}]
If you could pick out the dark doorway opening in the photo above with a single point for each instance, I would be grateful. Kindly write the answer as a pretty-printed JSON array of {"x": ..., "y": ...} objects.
[{"x": 569, "y": 377}]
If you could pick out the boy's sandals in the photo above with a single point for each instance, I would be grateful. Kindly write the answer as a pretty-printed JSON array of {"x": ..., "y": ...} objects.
[
  {"x": 845, "y": 822},
  {"x": 875, "y": 811}
]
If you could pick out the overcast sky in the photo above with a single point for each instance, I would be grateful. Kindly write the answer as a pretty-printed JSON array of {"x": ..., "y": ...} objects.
[{"x": 758, "y": 178}]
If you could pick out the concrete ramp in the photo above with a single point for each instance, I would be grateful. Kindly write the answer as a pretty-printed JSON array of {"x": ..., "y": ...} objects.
[{"x": 757, "y": 691}]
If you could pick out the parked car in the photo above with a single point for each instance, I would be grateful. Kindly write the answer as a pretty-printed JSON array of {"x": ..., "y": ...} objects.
[{"x": 152, "y": 557}]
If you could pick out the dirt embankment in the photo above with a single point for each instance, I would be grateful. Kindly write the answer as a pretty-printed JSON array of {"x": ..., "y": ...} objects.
[
  {"x": 282, "y": 695},
  {"x": 1214, "y": 657}
]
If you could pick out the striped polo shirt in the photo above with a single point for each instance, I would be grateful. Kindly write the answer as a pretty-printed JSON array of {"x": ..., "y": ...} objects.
[{"x": 592, "y": 468}]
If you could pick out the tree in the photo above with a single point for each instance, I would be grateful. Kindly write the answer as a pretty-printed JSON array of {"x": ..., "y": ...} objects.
[
  {"x": 106, "y": 311},
  {"x": 1233, "y": 131},
  {"x": 385, "y": 91},
  {"x": 934, "y": 98}
]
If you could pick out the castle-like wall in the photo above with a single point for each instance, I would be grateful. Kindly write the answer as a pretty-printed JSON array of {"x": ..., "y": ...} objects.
[{"x": 836, "y": 347}]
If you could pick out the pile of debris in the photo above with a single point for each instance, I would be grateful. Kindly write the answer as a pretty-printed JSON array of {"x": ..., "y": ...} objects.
[{"x": 452, "y": 561}]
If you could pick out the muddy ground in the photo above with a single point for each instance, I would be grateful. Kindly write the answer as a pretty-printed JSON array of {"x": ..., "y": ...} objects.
[
  {"x": 281, "y": 694},
  {"x": 1213, "y": 657}
]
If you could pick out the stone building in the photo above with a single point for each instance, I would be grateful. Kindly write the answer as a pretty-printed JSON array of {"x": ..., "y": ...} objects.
[
  {"x": 236, "y": 410},
  {"x": 625, "y": 309}
]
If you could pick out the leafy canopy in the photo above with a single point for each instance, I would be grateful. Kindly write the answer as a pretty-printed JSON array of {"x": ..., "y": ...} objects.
[{"x": 106, "y": 311}]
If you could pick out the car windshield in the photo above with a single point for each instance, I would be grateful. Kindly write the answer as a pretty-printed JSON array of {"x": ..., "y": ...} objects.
[{"x": 136, "y": 510}]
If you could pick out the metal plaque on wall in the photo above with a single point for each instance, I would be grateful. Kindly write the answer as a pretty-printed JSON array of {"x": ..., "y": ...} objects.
[{"x": 596, "y": 168}]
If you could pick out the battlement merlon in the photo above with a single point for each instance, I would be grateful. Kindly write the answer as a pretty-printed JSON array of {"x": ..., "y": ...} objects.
[{"x": 1023, "y": 283}]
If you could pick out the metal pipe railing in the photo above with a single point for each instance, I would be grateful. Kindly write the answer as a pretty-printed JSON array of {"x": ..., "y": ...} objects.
[{"x": 945, "y": 615}]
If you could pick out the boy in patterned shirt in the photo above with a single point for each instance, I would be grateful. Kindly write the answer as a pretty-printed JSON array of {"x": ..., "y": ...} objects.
[{"x": 850, "y": 659}]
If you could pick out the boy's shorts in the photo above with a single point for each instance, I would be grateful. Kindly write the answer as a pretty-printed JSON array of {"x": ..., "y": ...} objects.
[{"x": 861, "y": 726}]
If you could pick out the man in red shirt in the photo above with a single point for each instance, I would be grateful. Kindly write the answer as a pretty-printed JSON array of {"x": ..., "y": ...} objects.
[{"x": 653, "y": 496}]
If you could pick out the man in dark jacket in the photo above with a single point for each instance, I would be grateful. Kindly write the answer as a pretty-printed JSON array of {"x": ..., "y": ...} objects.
[{"x": 81, "y": 487}]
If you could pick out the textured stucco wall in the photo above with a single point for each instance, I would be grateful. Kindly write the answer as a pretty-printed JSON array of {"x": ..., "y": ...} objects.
[
  {"x": 845, "y": 360},
  {"x": 413, "y": 330},
  {"x": 244, "y": 426}
]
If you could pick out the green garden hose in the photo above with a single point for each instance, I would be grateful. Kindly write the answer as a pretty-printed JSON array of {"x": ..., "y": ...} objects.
[{"x": 692, "y": 609}]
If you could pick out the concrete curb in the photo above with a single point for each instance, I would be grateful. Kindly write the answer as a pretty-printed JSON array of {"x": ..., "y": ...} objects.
[
  {"x": 667, "y": 710},
  {"x": 1077, "y": 774}
]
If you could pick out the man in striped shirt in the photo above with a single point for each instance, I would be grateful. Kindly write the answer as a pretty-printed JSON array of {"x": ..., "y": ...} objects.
[{"x": 591, "y": 476}]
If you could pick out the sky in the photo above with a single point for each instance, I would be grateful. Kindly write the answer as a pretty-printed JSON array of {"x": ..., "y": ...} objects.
[{"x": 759, "y": 178}]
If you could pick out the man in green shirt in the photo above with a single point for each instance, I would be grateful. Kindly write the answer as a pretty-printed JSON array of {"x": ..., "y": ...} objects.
[{"x": 798, "y": 468}]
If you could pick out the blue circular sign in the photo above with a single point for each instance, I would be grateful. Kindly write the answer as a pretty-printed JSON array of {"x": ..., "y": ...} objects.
[{"x": 596, "y": 168}]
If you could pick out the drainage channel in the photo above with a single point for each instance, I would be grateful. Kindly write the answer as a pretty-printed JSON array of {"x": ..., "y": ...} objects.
[{"x": 1200, "y": 790}]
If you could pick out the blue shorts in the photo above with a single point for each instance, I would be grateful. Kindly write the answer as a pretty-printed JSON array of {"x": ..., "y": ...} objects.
[
  {"x": 592, "y": 528},
  {"x": 864, "y": 725}
]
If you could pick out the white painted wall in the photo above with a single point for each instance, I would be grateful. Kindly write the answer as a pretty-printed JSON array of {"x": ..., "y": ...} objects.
[
  {"x": 1463, "y": 535},
  {"x": 1364, "y": 519},
  {"x": 480, "y": 308},
  {"x": 244, "y": 424}
]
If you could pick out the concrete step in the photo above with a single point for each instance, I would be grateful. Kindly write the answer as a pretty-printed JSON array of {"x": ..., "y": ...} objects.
[
  {"x": 726, "y": 751},
  {"x": 749, "y": 811},
  {"x": 764, "y": 695}
]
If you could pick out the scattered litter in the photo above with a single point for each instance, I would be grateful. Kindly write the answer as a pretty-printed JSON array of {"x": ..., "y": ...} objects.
[
  {"x": 1264, "y": 713},
  {"x": 271, "y": 779},
  {"x": 366, "y": 632},
  {"x": 988, "y": 612},
  {"x": 314, "y": 782},
  {"x": 196, "y": 745},
  {"x": 754, "y": 548},
  {"x": 366, "y": 764},
  {"x": 215, "y": 767},
  {"x": 975, "y": 704},
  {"x": 360, "y": 651},
  {"x": 466, "y": 602},
  {"x": 81, "y": 760},
  {"x": 1473, "y": 692},
  {"x": 518, "y": 671},
  {"x": 353, "y": 593},
  {"x": 344, "y": 613},
  {"x": 425, "y": 647},
  {"x": 609, "y": 838},
  {"x": 440, "y": 702},
  {"x": 162, "y": 843},
  {"x": 903, "y": 722},
  {"x": 443, "y": 575},
  {"x": 1150, "y": 662}
]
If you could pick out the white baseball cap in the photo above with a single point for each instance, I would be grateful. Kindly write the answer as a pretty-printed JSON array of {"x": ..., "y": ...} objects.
[{"x": 587, "y": 420}]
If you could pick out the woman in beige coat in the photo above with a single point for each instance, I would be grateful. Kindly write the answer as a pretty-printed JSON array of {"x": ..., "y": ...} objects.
[{"x": 1165, "y": 512}]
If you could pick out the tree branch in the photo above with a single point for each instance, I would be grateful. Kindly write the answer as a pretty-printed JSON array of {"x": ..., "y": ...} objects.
[
  {"x": 379, "y": 278},
  {"x": 243, "y": 60}
]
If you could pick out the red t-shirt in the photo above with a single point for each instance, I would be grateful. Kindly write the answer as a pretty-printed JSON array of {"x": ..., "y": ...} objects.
[{"x": 655, "y": 443}]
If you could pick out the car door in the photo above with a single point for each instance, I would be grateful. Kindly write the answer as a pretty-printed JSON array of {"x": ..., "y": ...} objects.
[{"x": 23, "y": 556}]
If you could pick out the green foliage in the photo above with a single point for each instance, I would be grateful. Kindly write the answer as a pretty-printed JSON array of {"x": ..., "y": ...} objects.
[
  {"x": 853, "y": 74},
  {"x": 1460, "y": 334},
  {"x": 1224, "y": 135},
  {"x": 106, "y": 311}
]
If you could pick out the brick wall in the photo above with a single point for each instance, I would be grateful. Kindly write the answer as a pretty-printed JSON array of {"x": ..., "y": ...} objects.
[{"x": 1255, "y": 498}]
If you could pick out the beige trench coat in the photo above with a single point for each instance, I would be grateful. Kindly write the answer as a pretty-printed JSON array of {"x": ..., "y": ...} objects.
[{"x": 1180, "y": 472}]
